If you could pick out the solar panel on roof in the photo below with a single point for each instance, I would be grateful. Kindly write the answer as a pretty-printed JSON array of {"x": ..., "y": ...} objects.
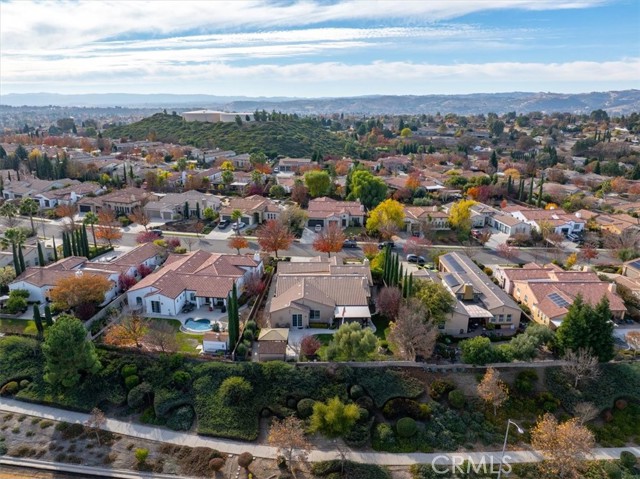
[
  {"x": 635, "y": 264},
  {"x": 451, "y": 281},
  {"x": 559, "y": 300},
  {"x": 456, "y": 266}
]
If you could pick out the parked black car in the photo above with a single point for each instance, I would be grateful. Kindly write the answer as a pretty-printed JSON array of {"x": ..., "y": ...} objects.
[
  {"x": 223, "y": 224},
  {"x": 350, "y": 243},
  {"x": 384, "y": 244},
  {"x": 187, "y": 308}
]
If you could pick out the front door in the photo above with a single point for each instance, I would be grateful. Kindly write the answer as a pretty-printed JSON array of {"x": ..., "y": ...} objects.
[{"x": 296, "y": 320}]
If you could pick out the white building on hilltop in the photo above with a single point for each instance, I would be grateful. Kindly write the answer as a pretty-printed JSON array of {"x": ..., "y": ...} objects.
[{"x": 212, "y": 116}]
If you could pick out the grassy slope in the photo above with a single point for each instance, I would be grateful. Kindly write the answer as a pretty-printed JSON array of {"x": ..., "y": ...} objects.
[{"x": 295, "y": 138}]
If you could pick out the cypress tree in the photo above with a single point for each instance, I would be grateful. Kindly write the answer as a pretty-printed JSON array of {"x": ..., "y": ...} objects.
[
  {"x": 540, "y": 192},
  {"x": 21, "y": 259},
  {"x": 234, "y": 325},
  {"x": 509, "y": 186},
  {"x": 530, "y": 197},
  {"x": 86, "y": 240},
  {"x": 387, "y": 265},
  {"x": 38, "y": 321},
  {"x": 72, "y": 237},
  {"x": 521, "y": 190},
  {"x": 124, "y": 170},
  {"x": 185, "y": 210},
  {"x": 55, "y": 249},
  {"x": 410, "y": 287},
  {"x": 40, "y": 255},
  {"x": 16, "y": 260},
  {"x": 400, "y": 275},
  {"x": 198, "y": 210},
  {"x": 47, "y": 316},
  {"x": 405, "y": 284}
]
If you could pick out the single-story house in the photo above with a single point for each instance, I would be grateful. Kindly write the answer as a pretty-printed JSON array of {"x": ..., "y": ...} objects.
[
  {"x": 171, "y": 205},
  {"x": 325, "y": 211}
]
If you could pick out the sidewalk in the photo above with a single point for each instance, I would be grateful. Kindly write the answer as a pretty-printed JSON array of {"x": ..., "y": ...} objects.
[{"x": 237, "y": 447}]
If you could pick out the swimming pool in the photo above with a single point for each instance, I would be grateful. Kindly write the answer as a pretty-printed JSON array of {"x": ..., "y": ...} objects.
[{"x": 197, "y": 325}]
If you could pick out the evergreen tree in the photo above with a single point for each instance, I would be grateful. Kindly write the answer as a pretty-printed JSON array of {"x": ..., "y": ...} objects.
[
  {"x": 55, "y": 249},
  {"x": 539, "y": 203},
  {"x": 601, "y": 331},
  {"x": 494, "y": 161},
  {"x": 530, "y": 197},
  {"x": 234, "y": 323},
  {"x": 41, "y": 260},
  {"x": 47, "y": 316},
  {"x": 74, "y": 249},
  {"x": 521, "y": 190},
  {"x": 400, "y": 275},
  {"x": 597, "y": 170},
  {"x": 509, "y": 186},
  {"x": 21, "y": 259},
  {"x": 85, "y": 240},
  {"x": 198, "y": 210},
  {"x": 38, "y": 321},
  {"x": 410, "y": 287},
  {"x": 185, "y": 210}
]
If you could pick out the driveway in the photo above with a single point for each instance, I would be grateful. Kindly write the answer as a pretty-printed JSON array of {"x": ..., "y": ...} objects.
[
  {"x": 497, "y": 238},
  {"x": 217, "y": 234},
  {"x": 308, "y": 236}
]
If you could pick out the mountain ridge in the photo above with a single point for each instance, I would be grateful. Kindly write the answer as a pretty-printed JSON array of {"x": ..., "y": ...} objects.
[{"x": 614, "y": 102}]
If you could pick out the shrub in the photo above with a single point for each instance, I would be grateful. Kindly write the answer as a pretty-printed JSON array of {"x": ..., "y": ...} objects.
[
  {"x": 9, "y": 389},
  {"x": 216, "y": 464},
  {"x": 547, "y": 401},
  {"x": 165, "y": 400},
  {"x": 456, "y": 399},
  {"x": 356, "y": 391},
  {"x": 620, "y": 403},
  {"x": 251, "y": 326},
  {"x": 245, "y": 459},
  {"x": 612, "y": 470},
  {"x": 628, "y": 459},
  {"x": 384, "y": 434},
  {"x": 15, "y": 304},
  {"x": 142, "y": 455},
  {"x": 383, "y": 385},
  {"x": 305, "y": 408},
  {"x": 364, "y": 414},
  {"x": 406, "y": 427},
  {"x": 524, "y": 381},
  {"x": 181, "y": 419},
  {"x": 406, "y": 407},
  {"x": 235, "y": 390},
  {"x": 247, "y": 335},
  {"x": 241, "y": 350},
  {"x": 181, "y": 379},
  {"x": 140, "y": 395},
  {"x": 129, "y": 370},
  {"x": 131, "y": 381},
  {"x": 352, "y": 470},
  {"x": 24, "y": 383},
  {"x": 365, "y": 402},
  {"x": 440, "y": 387}
]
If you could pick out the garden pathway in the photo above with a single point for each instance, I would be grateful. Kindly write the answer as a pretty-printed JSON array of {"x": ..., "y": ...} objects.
[{"x": 237, "y": 447}]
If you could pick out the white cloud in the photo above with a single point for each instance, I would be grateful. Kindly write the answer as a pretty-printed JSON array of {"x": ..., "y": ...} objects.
[
  {"x": 333, "y": 78},
  {"x": 58, "y": 24}
]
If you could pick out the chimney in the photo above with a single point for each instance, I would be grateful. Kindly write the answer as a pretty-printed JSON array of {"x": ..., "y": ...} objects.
[
  {"x": 612, "y": 288},
  {"x": 468, "y": 292}
]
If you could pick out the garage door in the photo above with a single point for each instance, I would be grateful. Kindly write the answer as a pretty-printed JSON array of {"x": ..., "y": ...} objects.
[{"x": 313, "y": 223}]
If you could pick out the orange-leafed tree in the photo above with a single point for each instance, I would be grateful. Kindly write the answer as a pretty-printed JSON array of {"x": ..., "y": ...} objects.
[
  {"x": 274, "y": 236},
  {"x": 82, "y": 293},
  {"x": 633, "y": 340},
  {"x": 588, "y": 252},
  {"x": 492, "y": 390},
  {"x": 563, "y": 445},
  {"x": 67, "y": 211},
  {"x": 413, "y": 181},
  {"x": 238, "y": 243},
  {"x": 329, "y": 240},
  {"x": 108, "y": 229},
  {"x": 128, "y": 332}
]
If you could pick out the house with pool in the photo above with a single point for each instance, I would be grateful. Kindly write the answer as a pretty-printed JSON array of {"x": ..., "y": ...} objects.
[{"x": 201, "y": 278}]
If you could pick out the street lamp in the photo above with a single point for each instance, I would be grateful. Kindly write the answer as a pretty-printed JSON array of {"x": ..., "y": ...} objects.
[{"x": 504, "y": 446}]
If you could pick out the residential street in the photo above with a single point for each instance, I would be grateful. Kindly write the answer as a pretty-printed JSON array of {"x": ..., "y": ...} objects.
[{"x": 237, "y": 447}]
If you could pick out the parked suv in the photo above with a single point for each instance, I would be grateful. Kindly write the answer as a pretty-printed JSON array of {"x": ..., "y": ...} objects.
[
  {"x": 350, "y": 243},
  {"x": 414, "y": 258},
  {"x": 223, "y": 224},
  {"x": 156, "y": 232}
]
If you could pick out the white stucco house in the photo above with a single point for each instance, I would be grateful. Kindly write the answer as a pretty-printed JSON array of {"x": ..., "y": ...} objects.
[{"x": 199, "y": 277}]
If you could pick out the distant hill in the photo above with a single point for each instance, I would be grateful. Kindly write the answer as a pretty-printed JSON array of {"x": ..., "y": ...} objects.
[
  {"x": 295, "y": 138},
  {"x": 614, "y": 102}
]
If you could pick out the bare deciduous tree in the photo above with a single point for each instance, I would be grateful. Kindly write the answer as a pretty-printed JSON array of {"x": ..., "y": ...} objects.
[
  {"x": 288, "y": 436},
  {"x": 585, "y": 412},
  {"x": 162, "y": 335},
  {"x": 411, "y": 334},
  {"x": 95, "y": 422},
  {"x": 581, "y": 365},
  {"x": 633, "y": 340}
]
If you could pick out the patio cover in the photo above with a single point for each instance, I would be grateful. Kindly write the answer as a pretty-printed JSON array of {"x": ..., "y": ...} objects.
[
  {"x": 476, "y": 311},
  {"x": 346, "y": 312}
]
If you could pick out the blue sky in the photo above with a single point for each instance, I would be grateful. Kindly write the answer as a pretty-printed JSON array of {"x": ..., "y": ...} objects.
[{"x": 310, "y": 48}]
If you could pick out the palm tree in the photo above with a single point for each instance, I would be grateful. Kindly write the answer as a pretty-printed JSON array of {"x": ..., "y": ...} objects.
[
  {"x": 9, "y": 210},
  {"x": 91, "y": 219},
  {"x": 29, "y": 207},
  {"x": 16, "y": 238},
  {"x": 236, "y": 215}
]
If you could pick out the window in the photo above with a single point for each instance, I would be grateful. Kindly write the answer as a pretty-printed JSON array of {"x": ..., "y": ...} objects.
[
  {"x": 314, "y": 314},
  {"x": 501, "y": 318},
  {"x": 192, "y": 296},
  {"x": 509, "y": 318},
  {"x": 526, "y": 299},
  {"x": 296, "y": 320},
  {"x": 138, "y": 300},
  {"x": 155, "y": 306}
]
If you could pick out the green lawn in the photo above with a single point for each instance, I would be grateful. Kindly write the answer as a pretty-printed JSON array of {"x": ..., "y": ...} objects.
[
  {"x": 323, "y": 338},
  {"x": 382, "y": 324},
  {"x": 22, "y": 326},
  {"x": 187, "y": 343}
]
